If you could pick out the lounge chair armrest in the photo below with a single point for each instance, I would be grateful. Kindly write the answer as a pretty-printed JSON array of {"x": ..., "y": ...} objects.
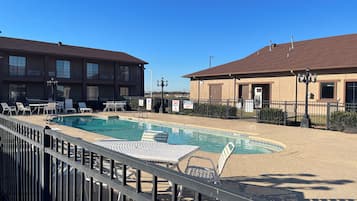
[{"x": 200, "y": 158}]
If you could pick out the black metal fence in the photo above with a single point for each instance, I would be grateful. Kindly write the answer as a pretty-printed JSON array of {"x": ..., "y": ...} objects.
[
  {"x": 41, "y": 164},
  {"x": 290, "y": 112}
]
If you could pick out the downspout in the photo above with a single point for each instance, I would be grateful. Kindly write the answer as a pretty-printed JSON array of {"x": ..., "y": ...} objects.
[{"x": 296, "y": 82}]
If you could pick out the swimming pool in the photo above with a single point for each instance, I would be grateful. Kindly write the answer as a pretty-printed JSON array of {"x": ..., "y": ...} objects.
[{"x": 207, "y": 140}]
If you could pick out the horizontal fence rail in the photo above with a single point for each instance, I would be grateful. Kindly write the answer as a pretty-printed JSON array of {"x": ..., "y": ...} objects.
[{"x": 41, "y": 164}]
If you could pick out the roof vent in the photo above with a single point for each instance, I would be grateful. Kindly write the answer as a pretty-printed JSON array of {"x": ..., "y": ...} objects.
[
  {"x": 59, "y": 43},
  {"x": 270, "y": 44},
  {"x": 292, "y": 42}
]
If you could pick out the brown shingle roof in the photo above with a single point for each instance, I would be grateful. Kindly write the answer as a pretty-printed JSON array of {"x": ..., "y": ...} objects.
[
  {"x": 324, "y": 53},
  {"x": 15, "y": 44}
]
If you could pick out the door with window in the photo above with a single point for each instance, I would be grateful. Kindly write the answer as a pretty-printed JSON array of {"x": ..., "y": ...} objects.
[
  {"x": 215, "y": 93},
  {"x": 17, "y": 92},
  {"x": 351, "y": 96}
]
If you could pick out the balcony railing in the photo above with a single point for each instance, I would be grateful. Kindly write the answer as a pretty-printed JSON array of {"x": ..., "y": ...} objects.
[
  {"x": 18, "y": 71},
  {"x": 41, "y": 164}
]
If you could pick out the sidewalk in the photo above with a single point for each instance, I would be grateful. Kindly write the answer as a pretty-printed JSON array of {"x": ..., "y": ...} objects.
[{"x": 320, "y": 164}]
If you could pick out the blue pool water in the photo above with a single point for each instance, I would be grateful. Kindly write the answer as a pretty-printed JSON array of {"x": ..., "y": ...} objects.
[{"x": 209, "y": 141}]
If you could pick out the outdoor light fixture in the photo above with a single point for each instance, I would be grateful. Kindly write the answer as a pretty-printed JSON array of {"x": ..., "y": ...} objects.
[
  {"x": 52, "y": 83},
  {"x": 306, "y": 78},
  {"x": 162, "y": 83}
]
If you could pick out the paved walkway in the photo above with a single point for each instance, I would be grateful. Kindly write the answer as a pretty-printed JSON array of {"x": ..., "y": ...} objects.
[{"x": 320, "y": 164}]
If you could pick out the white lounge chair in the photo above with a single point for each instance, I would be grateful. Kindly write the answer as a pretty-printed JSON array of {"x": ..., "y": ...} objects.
[
  {"x": 50, "y": 108},
  {"x": 158, "y": 136},
  {"x": 82, "y": 107},
  {"x": 68, "y": 103},
  {"x": 8, "y": 109},
  {"x": 21, "y": 108},
  {"x": 60, "y": 106},
  {"x": 211, "y": 174}
]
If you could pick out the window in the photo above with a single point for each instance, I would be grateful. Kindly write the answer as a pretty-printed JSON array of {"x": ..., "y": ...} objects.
[
  {"x": 63, "y": 69},
  {"x": 124, "y": 91},
  {"x": 63, "y": 92},
  {"x": 92, "y": 93},
  {"x": 327, "y": 90},
  {"x": 17, "y": 92},
  {"x": 92, "y": 70},
  {"x": 17, "y": 66},
  {"x": 124, "y": 73}
]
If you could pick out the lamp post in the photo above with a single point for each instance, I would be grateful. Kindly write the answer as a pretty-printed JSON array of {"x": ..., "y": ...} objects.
[
  {"x": 162, "y": 83},
  {"x": 52, "y": 83},
  {"x": 306, "y": 78}
]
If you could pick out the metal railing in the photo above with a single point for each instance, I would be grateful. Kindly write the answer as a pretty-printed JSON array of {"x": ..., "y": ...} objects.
[
  {"x": 42, "y": 164},
  {"x": 286, "y": 113}
]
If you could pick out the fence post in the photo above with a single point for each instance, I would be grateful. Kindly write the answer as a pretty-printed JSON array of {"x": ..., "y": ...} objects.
[
  {"x": 285, "y": 113},
  {"x": 328, "y": 116},
  {"x": 45, "y": 166},
  {"x": 241, "y": 108},
  {"x": 227, "y": 109}
]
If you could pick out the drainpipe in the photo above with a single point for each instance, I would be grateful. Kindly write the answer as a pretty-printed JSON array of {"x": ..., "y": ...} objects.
[
  {"x": 296, "y": 81},
  {"x": 198, "y": 90}
]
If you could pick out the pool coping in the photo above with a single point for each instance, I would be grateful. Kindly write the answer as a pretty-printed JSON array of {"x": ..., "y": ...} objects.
[{"x": 264, "y": 142}]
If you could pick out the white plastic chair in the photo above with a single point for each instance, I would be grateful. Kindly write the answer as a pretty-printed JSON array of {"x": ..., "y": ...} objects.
[
  {"x": 21, "y": 108},
  {"x": 68, "y": 103},
  {"x": 8, "y": 109},
  {"x": 158, "y": 136},
  {"x": 51, "y": 107},
  {"x": 82, "y": 107},
  {"x": 211, "y": 174},
  {"x": 109, "y": 106}
]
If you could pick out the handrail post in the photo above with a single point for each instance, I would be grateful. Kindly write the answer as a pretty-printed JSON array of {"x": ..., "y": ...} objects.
[
  {"x": 328, "y": 116},
  {"x": 45, "y": 165}
]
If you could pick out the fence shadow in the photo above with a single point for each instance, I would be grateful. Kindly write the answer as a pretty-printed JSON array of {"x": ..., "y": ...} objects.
[{"x": 282, "y": 186}]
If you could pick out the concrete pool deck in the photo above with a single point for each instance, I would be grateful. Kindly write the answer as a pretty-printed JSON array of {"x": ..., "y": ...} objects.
[{"x": 320, "y": 164}]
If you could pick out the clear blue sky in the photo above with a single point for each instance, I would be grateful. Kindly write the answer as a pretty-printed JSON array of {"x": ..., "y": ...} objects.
[{"x": 177, "y": 36}]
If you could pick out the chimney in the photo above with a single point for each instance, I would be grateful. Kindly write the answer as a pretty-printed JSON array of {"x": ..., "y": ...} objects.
[
  {"x": 59, "y": 43},
  {"x": 292, "y": 42}
]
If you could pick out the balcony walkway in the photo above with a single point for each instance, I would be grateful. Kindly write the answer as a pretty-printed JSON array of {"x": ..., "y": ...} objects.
[{"x": 320, "y": 164}]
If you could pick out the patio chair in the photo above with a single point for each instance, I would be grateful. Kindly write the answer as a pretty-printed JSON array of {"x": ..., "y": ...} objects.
[
  {"x": 109, "y": 106},
  {"x": 211, "y": 174},
  {"x": 8, "y": 109},
  {"x": 22, "y": 108},
  {"x": 51, "y": 107},
  {"x": 158, "y": 136},
  {"x": 82, "y": 107},
  {"x": 60, "y": 106},
  {"x": 68, "y": 103}
]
